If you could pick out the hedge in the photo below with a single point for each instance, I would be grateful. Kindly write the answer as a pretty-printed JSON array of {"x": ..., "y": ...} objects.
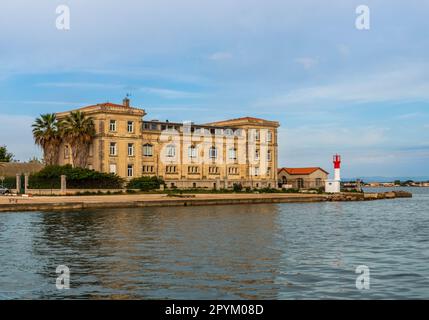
[
  {"x": 145, "y": 183},
  {"x": 77, "y": 178}
]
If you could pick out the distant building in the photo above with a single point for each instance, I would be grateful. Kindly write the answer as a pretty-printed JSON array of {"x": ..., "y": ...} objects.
[
  {"x": 302, "y": 178},
  {"x": 186, "y": 155}
]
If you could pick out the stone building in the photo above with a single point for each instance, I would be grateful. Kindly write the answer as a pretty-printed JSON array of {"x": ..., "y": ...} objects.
[
  {"x": 302, "y": 178},
  {"x": 186, "y": 155}
]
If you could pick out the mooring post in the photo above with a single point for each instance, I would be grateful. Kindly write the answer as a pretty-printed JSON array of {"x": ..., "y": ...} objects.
[
  {"x": 26, "y": 183},
  {"x": 63, "y": 185},
  {"x": 18, "y": 183}
]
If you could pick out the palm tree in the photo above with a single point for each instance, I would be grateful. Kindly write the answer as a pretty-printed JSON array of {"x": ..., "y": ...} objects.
[
  {"x": 47, "y": 134},
  {"x": 78, "y": 132}
]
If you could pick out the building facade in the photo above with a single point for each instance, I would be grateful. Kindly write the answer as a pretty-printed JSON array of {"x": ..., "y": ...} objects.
[
  {"x": 186, "y": 155},
  {"x": 302, "y": 178}
]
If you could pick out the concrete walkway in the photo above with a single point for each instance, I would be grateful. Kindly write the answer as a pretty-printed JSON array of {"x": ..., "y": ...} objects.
[{"x": 17, "y": 203}]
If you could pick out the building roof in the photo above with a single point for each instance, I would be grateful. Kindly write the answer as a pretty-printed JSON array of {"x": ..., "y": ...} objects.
[
  {"x": 244, "y": 121},
  {"x": 106, "y": 107},
  {"x": 301, "y": 171}
]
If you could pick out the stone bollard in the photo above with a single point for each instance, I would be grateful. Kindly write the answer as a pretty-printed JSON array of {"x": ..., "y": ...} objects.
[
  {"x": 63, "y": 185},
  {"x": 26, "y": 183},
  {"x": 18, "y": 183}
]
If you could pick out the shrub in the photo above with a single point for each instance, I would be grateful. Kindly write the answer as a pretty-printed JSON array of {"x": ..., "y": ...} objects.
[
  {"x": 145, "y": 183},
  {"x": 77, "y": 178},
  {"x": 237, "y": 187}
]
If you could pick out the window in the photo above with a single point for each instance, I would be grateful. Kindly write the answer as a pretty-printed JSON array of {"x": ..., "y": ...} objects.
[
  {"x": 257, "y": 137},
  {"x": 229, "y": 132},
  {"x": 256, "y": 171},
  {"x": 147, "y": 169},
  {"x": 213, "y": 170},
  {"x": 170, "y": 169},
  {"x": 112, "y": 168},
  {"x": 91, "y": 150},
  {"x": 268, "y": 171},
  {"x": 130, "y": 126},
  {"x": 113, "y": 149},
  {"x": 213, "y": 152},
  {"x": 232, "y": 154},
  {"x": 112, "y": 126},
  {"x": 131, "y": 149},
  {"x": 66, "y": 152},
  {"x": 193, "y": 169},
  {"x": 269, "y": 155},
  {"x": 148, "y": 150},
  {"x": 171, "y": 150},
  {"x": 232, "y": 170},
  {"x": 130, "y": 170},
  {"x": 256, "y": 154},
  {"x": 318, "y": 182},
  {"x": 269, "y": 136},
  {"x": 154, "y": 126},
  {"x": 192, "y": 152}
]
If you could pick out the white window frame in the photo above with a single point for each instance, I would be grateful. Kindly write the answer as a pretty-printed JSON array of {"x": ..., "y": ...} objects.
[
  {"x": 213, "y": 153},
  {"x": 130, "y": 149},
  {"x": 130, "y": 171},
  {"x": 192, "y": 152},
  {"x": 113, "y": 125},
  {"x": 232, "y": 154},
  {"x": 113, "y": 147},
  {"x": 147, "y": 150},
  {"x": 130, "y": 126},
  {"x": 171, "y": 151}
]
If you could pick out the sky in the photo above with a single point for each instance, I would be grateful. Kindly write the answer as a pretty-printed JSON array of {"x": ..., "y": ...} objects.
[{"x": 334, "y": 88}]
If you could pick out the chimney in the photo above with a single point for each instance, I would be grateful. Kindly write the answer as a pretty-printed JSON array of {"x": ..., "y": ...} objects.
[{"x": 126, "y": 102}]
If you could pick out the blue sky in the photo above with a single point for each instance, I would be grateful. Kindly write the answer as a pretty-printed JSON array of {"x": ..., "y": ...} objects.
[{"x": 364, "y": 94}]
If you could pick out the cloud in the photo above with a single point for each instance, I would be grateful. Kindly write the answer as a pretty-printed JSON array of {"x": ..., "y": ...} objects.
[
  {"x": 218, "y": 56},
  {"x": 307, "y": 62},
  {"x": 399, "y": 84},
  {"x": 81, "y": 85},
  {"x": 171, "y": 94},
  {"x": 19, "y": 142}
]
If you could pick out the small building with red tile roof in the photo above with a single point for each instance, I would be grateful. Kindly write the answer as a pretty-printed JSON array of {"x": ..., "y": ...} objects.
[{"x": 302, "y": 178}]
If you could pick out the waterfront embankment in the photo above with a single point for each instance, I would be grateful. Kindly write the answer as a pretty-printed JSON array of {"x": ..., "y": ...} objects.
[{"x": 44, "y": 203}]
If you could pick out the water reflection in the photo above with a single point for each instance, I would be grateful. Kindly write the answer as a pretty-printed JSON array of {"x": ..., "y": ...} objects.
[{"x": 278, "y": 251}]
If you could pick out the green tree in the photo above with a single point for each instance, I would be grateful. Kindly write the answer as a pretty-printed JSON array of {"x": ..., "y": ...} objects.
[
  {"x": 78, "y": 132},
  {"x": 5, "y": 156},
  {"x": 47, "y": 134}
]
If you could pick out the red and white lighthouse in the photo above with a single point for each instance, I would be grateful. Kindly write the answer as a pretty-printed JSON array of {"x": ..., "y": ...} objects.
[
  {"x": 337, "y": 167},
  {"x": 334, "y": 186}
]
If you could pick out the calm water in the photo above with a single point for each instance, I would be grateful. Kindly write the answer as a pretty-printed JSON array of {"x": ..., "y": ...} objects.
[{"x": 279, "y": 251}]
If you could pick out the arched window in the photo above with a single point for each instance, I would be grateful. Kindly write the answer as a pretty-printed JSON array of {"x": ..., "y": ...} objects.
[
  {"x": 171, "y": 150},
  {"x": 148, "y": 150},
  {"x": 213, "y": 153}
]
